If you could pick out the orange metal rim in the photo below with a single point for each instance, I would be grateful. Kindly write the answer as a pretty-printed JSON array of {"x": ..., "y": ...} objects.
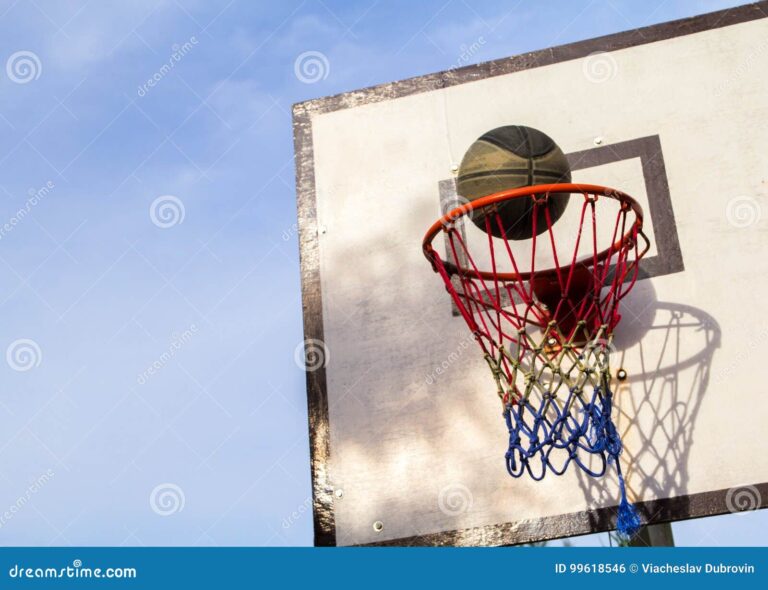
[{"x": 548, "y": 189}]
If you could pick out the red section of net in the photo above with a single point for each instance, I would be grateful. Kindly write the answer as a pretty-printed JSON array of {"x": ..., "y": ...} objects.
[{"x": 566, "y": 305}]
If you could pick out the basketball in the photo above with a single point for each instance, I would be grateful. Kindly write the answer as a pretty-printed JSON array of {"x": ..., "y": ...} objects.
[{"x": 511, "y": 157}]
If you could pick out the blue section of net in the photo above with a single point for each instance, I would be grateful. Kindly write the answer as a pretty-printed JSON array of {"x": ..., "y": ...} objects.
[{"x": 554, "y": 433}]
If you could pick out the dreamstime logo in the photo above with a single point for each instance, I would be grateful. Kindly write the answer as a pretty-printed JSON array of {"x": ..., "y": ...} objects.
[
  {"x": 311, "y": 355},
  {"x": 167, "y": 211},
  {"x": 599, "y": 67},
  {"x": 23, "y": 67},
  {"x": 23, "y": 355},
  {"x": 456, "y": 220},
  {"x": 743, "y": 499},
  {"x": 311, "y": 67},
  {"x": 743, "y": 211},
  {"x": 598, "y": 353},
  {"x": 167, "y": 499},
  {"x": 455, "y": 499}
]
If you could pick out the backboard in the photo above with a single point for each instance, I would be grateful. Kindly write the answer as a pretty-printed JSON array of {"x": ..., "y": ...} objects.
[{"x": 406, "y": 436}]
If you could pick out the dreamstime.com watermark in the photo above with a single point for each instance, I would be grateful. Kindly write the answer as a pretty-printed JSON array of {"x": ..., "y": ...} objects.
[
  {"x": 297, "y": 514},
  {"x": 466, "y": 55},
  {"x": 452, "y": 358},
  {"x": 178, "y": 341},
  {"x": 467, "y": 52},
  {"x": 35, "y": 196},
  {"x": 179, "y": 52},
  {"x": 756, "y": 343},
  {"x": 597, "y": 354},
  {"x": 742, "y": 70},
  {"x": 75, "y": 571},
  {"x": 290, "y": 232},
  {"x": 37, "y": 485}
]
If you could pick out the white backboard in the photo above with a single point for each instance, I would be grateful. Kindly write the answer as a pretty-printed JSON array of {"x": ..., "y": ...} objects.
[{"x": 407, "y": 438}]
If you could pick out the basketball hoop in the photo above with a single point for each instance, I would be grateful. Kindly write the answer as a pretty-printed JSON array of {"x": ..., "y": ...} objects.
[{"x": 547, "y": 334}]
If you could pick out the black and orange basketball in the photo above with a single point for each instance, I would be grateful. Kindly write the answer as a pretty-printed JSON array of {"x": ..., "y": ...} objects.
[{"x": 510, "y": 157}]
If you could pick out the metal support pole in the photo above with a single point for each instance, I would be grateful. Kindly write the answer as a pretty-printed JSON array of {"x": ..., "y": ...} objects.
[{"x": 654, "y": 535}]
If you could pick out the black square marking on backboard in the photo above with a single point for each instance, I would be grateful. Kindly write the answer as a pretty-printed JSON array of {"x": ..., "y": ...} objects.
[{"x": 669, "y": 258}]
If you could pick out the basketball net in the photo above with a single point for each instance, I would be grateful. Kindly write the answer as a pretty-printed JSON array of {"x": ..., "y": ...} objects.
[{"x": 547, "y": 335}]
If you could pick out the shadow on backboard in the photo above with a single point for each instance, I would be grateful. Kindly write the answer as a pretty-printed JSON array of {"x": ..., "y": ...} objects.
[{"x": 667, "y": 349}]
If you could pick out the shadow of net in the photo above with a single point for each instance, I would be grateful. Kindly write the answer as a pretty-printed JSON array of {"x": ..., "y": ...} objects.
[{"x": 656, "y": 407}]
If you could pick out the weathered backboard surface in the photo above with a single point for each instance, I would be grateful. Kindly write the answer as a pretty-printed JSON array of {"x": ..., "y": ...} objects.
[{"x": 406, "y": 434}]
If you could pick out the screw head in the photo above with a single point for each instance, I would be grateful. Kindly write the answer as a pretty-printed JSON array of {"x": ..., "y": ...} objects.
[
  {"x": 598, "y": 140},
  {"x": 454, "y": 168},
  {"x": 621, "y": 375},
  {"x": 339, "y": 493},
  {"x": 378, "y": 526}
]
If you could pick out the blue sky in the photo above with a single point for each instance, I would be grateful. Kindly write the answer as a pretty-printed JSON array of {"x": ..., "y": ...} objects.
[{"x": 151, "y": 299}]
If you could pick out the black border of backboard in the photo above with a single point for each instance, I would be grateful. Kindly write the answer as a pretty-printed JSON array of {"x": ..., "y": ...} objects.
[
  {"x": 677, "y": 508},
  {"x": 668, "y": 258}
]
